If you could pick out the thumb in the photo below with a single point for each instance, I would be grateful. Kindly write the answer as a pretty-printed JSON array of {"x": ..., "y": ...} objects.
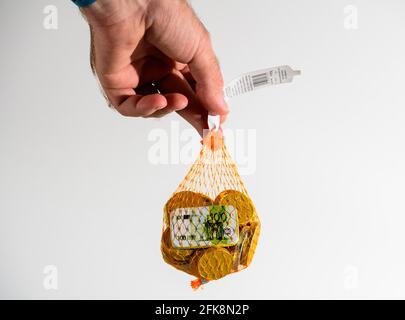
[{"x": 204, "y": 68}]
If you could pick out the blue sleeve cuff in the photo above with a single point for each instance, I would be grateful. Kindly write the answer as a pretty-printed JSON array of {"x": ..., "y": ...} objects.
[{"x": 83, "y": 3}]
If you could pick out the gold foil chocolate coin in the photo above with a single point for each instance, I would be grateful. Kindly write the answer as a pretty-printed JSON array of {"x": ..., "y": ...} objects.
[
  {"x": 215, "y": 263},
  {"x": 242, "y": 203},
  {"x": 250, "y": 244}
]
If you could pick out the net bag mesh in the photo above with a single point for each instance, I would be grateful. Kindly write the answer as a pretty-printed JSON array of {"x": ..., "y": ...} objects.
[{"x": 211, "y": 227}]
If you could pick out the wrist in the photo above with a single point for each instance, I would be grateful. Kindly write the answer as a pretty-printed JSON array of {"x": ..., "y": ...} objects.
[{"x": 109, "y": 12}]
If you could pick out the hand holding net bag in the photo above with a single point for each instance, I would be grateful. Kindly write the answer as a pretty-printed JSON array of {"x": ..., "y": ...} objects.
[{"x": 211, "y": 227}]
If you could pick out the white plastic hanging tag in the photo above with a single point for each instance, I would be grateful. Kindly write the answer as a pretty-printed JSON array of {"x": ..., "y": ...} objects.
[
  {"x": 214, "y": 122},
  {"x": 258, "y": 79}
]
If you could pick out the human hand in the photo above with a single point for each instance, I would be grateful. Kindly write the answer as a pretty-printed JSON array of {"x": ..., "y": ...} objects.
[{"x": 139, "y": 42}]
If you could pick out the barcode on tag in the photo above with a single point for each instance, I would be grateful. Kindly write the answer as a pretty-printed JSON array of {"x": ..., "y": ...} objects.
[{"x": 260, "y": 79}]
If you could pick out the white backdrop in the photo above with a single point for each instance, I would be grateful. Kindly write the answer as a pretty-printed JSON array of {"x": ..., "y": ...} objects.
[{"x": 79, "y": 194}]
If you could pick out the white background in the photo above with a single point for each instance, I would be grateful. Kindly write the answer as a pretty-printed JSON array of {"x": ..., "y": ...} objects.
[{"x": 78, "y": 191}]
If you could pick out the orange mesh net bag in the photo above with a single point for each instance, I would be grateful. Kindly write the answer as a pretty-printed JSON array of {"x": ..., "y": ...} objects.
[{"x": 211, "y": 227}]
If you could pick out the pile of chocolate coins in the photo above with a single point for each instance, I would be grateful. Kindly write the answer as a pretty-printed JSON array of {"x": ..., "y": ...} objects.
[{"x": 207, "y": 238}]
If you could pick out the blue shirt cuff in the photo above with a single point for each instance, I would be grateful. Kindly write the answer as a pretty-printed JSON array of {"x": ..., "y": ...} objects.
[{"x": 83, "y": 3}]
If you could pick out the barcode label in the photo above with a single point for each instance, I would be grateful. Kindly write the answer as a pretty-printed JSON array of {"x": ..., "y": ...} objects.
[{"x": 260, "y": 79}]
